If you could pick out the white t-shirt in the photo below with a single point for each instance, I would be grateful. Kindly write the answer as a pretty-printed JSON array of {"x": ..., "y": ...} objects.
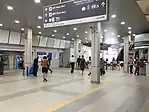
[{"x": 72, "y": 59}]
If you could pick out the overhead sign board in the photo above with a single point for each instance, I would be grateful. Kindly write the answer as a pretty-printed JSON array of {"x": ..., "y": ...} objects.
[{"x": 75, "y": 12}]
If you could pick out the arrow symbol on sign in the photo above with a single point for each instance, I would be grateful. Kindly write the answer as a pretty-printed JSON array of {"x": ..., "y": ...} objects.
[{"x": 103, "y": 4}]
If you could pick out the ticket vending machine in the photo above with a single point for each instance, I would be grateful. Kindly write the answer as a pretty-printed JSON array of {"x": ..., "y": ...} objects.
[{"x": 17, "y": 62}]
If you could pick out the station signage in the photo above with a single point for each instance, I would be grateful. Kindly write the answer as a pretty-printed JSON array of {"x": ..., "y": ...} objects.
[{"x": 75, "y": 12}]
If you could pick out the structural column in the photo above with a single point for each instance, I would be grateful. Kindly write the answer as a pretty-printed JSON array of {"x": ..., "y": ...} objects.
[
  {"x": 77, "y": 42},
  {"x": 95, "y": 41},
  {"x": 126, "y": 53},
  {"x": 28, "y": 48}
]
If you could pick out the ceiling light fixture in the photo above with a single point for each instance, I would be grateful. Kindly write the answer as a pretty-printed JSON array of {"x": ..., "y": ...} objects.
[
  {"x": 78, "y": 36},
  {"x": 86, "y": 38},
  {"x": 134, "y": 35},
  {"x": 53, "y": 35},
  {"x": 118, "y": 36},
  {"x": 9, "y": 7},
  {"x": 17, "y": 21},
  {"x": 22, "y": 29},
  {"x": 105, "y": 30},
  {"x": 67, "y": 34},
  {"x": 55, "y": 31},
  {"x": 113, "y": 16},
  {"x": 86, "y": 41},
  {"x": 74, "y": 28},
  {"x": 123, "y": 37},
  {"x": 1, "y": 24},
  {"x": 86, "y": 32},
  {"x": 38, "y": 26},
  {"x": 129, "y": 28},
  {"x": 63, "y": 37},
  {"x": 39, "y": 17},
  {"x": 72, "y": 38},
  {"x": 39, "y": 32},
  {"x": 113, "y": 33},
  {"x": 122, "y": 23},
  {"x": 37, "y": 1}
]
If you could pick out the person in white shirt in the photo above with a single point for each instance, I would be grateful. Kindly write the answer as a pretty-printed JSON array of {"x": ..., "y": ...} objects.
[{"x": 72, "y": 63}]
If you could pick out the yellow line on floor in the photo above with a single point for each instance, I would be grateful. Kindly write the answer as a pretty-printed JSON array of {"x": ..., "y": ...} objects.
[{"x": 62, "y": 104}]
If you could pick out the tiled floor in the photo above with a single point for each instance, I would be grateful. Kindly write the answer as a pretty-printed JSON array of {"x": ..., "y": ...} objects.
[{"x": 65, "y": 92}]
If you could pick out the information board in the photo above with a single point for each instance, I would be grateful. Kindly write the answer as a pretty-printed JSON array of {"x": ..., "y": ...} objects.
[{"x": 75, "y": 12}]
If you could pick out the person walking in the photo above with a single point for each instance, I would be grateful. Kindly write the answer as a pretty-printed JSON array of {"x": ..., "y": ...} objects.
[
  {"x": 35, "y": 65},
  {"x": 44, "y": 64},
  {"x": 49, "y": 63},
  {"x": 89, "y": 65},
  {"x": 82, "y": 64},
  {"x": 72, "y": 63},
  {"x": 102, "y": 63},
  {"x": 78, "y": 62},
  {"x": 131, "y": 66}
]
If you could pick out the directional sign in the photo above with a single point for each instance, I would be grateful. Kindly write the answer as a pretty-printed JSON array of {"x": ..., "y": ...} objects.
[{"x": 75, "y": 12}]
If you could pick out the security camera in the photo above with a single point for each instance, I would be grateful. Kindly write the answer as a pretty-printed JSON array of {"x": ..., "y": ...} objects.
[{"x": 91, "y": 27}]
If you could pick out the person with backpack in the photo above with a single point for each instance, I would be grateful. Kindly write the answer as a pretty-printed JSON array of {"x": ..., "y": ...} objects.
[{"x": 44, "y": 64}]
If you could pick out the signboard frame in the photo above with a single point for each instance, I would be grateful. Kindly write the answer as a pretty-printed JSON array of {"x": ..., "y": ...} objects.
[{"x": 79, "y": 20}]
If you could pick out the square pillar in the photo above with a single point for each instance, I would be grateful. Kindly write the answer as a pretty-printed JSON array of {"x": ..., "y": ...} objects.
[
  {"x": 95, "y": 41},
  {"x": 126, "y": 54},
  {"x": 28, "y": 48}
]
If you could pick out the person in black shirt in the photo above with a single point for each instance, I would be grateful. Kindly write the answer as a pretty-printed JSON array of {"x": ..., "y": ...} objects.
[
  {"x": 78, "y": 62},
  {"x": 49, "y": 63},
  {"x": 82, "y": 64},
  {"x": 35, "y": 64}
]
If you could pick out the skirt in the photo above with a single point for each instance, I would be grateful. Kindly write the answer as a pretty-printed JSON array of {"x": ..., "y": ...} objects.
[{"x": 44, "y": 70}]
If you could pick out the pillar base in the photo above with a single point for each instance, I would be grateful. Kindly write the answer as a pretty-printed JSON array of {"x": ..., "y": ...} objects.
[{"x": 95, "y": 77}]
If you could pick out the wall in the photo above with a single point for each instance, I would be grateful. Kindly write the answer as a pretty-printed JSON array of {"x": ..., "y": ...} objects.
[{"x": 66, "y": 57}]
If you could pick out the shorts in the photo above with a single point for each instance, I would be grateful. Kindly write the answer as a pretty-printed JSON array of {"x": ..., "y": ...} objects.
[{"x": 44, "y": 70}]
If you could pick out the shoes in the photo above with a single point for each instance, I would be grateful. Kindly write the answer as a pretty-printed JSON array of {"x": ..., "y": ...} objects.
[{"x": 45, "y": 80}]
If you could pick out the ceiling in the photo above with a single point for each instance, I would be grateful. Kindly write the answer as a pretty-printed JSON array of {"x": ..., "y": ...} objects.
[{"x": 27, "y": 12}]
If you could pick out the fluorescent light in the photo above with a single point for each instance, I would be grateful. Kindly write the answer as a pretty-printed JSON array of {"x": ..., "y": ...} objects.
[
  {"x": 129, "y": 32},
  {"x": 17, "y": 21},
  {"x": 122, "y": 23},
  {"x": 63, "y": 37},
  {"x": 67, "y": 34},
  {"x": 39, "y": 32},
  {"x": 78, "y": 36},
  {"x": 37, "y": 1},
  {"x": 118, "y": 36},
  {"x": 39, "y": 17},
  {"x": 9, "y": 7},
  {"x": 22, "y": 29},
  {"x": 53, "y": 35},
  {"x": 38, "y": 26},
  {"x": 129, "y": 28},
  {"x": 55, "y": 31},
  {"x": 86, "y": 32},
  {"x": 113, "y": 16},
  {"x": 1, "y": 24},
  {"x": 74, "y": 28},
  {"x": 105, "y": 30}
]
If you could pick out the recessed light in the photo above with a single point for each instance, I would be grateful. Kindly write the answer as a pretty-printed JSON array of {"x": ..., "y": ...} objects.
[
  {"x": 118, "y": 36},
  {"x": 38, "y": 26},
  {"x": 37, "y": 1},
  {"x": 9, "y": 7},
  {"x": 39, "y": 17},
  {"x": 122, "y": 23},
  {"x": 72, "y": 38},
  {"x": 55, "y": 31},
  {"x": 53, "y": 35},
  {"x": 113, "y": 33},
  {"x": 134, "y": 35},
  {"x": 86, "y": 41},
  {"x": 63, "y": 37},
  {"x": 74, "y": 28},
  {"x": 86, "y": 38},
  {"x": 105, "y": 30},
  {"x": 22, "y": 29},
  {"x": 102, "y": 37},
  {"x": 17, "y": 21},
  {"x": 113, "y": 16},
  {"x": 123, "y": 37},
  {"x": 129, "y": 32},
  {"x": 78, "y": 36},
  {"x": 67, "y": 34},
  {"x": 1, "y": 24},
  {"x": 39, "y": 32},
  {"x": 129, "y": 28},
  {"x": 86, "y": 32}
]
